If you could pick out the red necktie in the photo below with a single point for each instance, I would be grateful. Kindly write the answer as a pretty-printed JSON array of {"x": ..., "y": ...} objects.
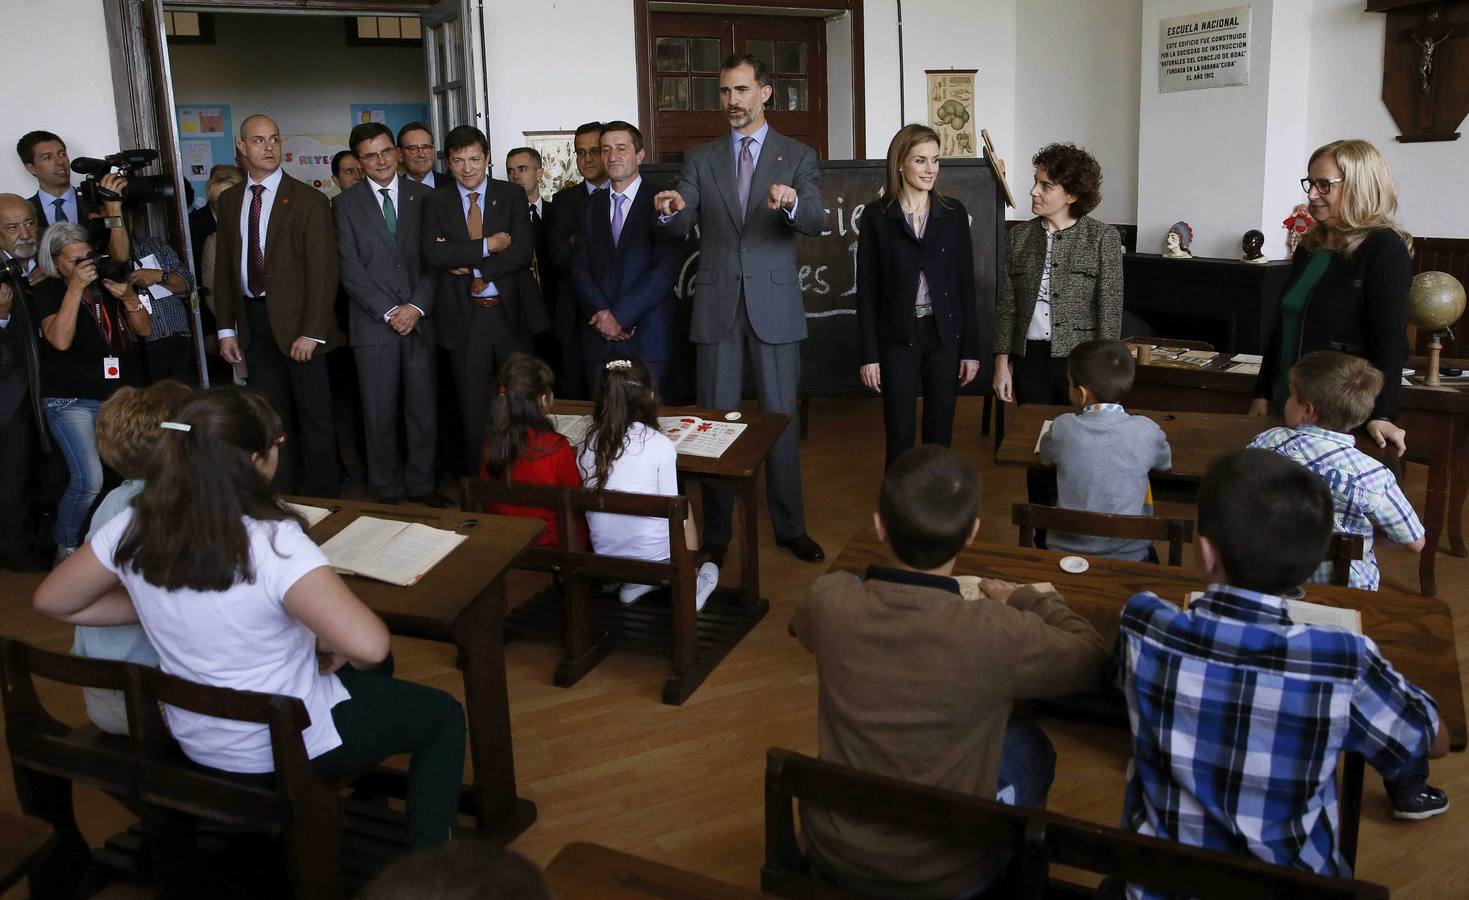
[{"x": 255, "y": 271}]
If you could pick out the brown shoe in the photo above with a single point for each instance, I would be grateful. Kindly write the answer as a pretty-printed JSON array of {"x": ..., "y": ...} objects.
[{"x": 804, "y": 549}]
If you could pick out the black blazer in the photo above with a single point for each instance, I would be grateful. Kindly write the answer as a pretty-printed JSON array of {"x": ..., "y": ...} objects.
[
  {"x": 889, "y": 258},
  {"x": 447, "y": 245},
  {"x": 1360, "y": 306},
  {"x": 22, "y": 384}
]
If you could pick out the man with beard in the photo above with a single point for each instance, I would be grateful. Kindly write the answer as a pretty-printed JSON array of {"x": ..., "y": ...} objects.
[{"x": 20, "y": 398}]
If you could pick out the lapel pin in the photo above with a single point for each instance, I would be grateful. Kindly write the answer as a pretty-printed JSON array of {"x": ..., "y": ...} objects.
[{"x": 779, "y": 158}]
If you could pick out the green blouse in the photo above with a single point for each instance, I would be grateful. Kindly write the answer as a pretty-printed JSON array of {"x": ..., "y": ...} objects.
[{"x": 1292, "y": 313}]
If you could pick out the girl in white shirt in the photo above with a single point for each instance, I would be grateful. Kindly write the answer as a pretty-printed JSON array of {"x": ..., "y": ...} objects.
[
  {"x": 232, "y": 593},
  {"x": 625, "y": 451}
]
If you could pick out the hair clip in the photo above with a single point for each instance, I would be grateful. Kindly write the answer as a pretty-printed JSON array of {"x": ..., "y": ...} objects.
[
  {"x": 502, "y": 388},
  {"x": 617, "y": 364},
  {"x": 176, "y": 426}
]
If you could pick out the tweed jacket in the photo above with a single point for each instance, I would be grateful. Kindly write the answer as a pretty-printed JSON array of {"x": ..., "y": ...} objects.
[{"x": 1086, "y": 285}]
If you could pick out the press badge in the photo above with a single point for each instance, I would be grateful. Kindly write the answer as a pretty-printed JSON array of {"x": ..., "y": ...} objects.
[{"x": 111, "y": 367}]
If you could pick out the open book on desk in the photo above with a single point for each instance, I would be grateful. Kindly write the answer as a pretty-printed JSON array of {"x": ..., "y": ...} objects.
[
  {"x": 396, "y": 552},
  {"x": 691, "y": 435},
  {"x": 1303, "y": 612},
  {"x": 312, "y": 514}
]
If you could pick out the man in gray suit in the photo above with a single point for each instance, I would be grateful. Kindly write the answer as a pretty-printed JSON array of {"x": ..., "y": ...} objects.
[
  {"x": 379, "y": 237},
  {"x": 750, "y": 193}
]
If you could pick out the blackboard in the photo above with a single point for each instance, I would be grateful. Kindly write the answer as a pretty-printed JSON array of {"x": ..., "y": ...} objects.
[{"x": 827, "y": 268}]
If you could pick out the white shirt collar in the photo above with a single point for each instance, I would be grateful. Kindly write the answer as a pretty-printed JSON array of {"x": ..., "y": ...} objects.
[
  {"x": 272, "y": 181},
  {"x": 392, "y": 186},
  {"x": 629, "y": 192}
]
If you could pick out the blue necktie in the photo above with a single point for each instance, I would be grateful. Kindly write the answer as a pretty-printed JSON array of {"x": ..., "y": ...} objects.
[
  {"x": 618, "y": 200},
  {"x": 60, "y": 213}
]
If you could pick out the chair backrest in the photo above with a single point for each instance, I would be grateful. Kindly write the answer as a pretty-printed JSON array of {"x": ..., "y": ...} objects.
[
  {"x": 147, "y": 767},
  {"x": 1340, "y": 552},
  {"x": 569, "y": 558},
  {"x": 1042, "y": 838},
  {"x": 982, "y": 824},
  {"x": 1170, "y": 867},
  {"x": 1176, "y": 531}
]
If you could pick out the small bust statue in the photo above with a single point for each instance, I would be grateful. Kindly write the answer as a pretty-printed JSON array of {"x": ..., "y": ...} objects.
[
  {"x": 1176, "y": 245},
  {"x": 1251, "y": 243}
]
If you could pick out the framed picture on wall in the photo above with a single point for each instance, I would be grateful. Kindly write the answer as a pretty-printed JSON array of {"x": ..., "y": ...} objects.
[
  {"x": 951, "y": 110},
  {"x": 558, "y": 158}
]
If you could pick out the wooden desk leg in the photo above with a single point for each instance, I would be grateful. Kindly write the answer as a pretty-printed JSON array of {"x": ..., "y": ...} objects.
[
  {"x": 1458, "y": 490},
  {"x": 479, "y": 633},
  {"x": 746, "y": 489},
  {"x": 1350, "y": 806},
  {"x": 1440, "y": 457}
]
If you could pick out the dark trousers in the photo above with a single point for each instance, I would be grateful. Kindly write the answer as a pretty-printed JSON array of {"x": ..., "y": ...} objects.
[
  {"x": 1040, "y": 378},
  {"x": 397, "y": 382},
  {"x": 17, "y": 519},
  {"x": 929, "y": 367},
  {"x": 301, "y": 394},
  {"x": 476, "y": 366},
  {"x": 721, "y": 377},
  {"x": 171, "y": 357}
]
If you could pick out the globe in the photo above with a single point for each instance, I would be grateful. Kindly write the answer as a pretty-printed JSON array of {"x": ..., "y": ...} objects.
[{"x": 1435, "y": 301}]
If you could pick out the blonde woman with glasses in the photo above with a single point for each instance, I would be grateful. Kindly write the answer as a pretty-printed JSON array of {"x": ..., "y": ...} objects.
[{"x": 1348, "y": 287}]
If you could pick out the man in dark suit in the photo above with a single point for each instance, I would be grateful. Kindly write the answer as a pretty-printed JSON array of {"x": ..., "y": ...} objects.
[
  {"x": 751, "y": 192},
  {"x": 379, "y": 227},
  {"x": 275, "y": 280},
  {"x": 55, "y": 200},
  {"x": 416, "y": 146},
  {"x": 524, "y": 168},
  {"x": 623, "y": 268},
  {"x": 20, "y": 390},
  {"x": 477, "y": 237},
  {"x": 566, "y": 216}
]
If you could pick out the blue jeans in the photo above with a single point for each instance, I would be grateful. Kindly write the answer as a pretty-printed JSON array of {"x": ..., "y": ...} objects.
[
  {"x": 74, "y": 423},
  {"x": 1027, "y": 768}
]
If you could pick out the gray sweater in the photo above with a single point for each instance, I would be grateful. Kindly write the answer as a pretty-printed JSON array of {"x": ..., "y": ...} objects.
[{"x": 1102, "y": 458}]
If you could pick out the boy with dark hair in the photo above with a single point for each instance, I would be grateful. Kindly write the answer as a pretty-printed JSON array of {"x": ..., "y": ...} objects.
[
  {"x": 1331, "y": 394},
  {"x": 917, "y": 682},
  {"x": 1103, "y": 455},
  {"x": 1238, "y": 715}
]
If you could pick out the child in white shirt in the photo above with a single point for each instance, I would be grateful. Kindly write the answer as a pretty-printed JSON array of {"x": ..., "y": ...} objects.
[{"x": 625, "y": 451}]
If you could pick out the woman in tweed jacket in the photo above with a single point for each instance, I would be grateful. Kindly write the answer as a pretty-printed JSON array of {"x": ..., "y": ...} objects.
[{"x": 1064, "y": 281}]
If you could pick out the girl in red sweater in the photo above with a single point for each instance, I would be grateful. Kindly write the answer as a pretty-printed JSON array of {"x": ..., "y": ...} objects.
[{"x": 521, "y": 445}]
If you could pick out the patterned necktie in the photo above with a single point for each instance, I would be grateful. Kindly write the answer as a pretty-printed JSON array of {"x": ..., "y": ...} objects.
[
  {"x": 744, "y": 175},
  {"x": 60, "y": 213},
  {"x": 255, "y": 271},
  {"x": 617, "y": 200},
  {"x": 390, "y": 215},
  {"x": 475, "y": 220},
  {"x": 535, "y": 215}
]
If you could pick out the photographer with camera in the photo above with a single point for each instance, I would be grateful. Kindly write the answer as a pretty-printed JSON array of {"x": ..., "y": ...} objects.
[
  {"x": 87, "y": 352},
  {"x": 168, "y": 350},
  {"x": 20, "y": 397},
  {"x": 44, "y": 156}
]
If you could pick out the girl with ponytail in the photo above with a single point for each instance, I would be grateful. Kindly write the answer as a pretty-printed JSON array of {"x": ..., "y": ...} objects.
[
  {"x": 521, "y": 444},
  {"x": 232, "y": 593},
  {"x": 626, "y": 451}
]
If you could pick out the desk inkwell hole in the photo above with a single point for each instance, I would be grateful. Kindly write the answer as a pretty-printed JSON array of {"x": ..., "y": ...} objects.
[
  {"x": 469, "y": 523},
  {"x": 1168, "y": 418}
]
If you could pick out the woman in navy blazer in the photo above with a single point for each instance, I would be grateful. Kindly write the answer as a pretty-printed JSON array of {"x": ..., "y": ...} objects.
[{"x": 917, "y": 310}]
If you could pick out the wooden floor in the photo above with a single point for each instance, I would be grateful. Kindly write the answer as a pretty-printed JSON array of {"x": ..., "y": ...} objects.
[{"x": 605, "y": 761}]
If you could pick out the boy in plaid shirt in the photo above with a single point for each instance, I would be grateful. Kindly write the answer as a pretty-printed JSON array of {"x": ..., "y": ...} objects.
[
  {"x": 1238, "y": 715},
  {"x": 1330, "y": 395}
]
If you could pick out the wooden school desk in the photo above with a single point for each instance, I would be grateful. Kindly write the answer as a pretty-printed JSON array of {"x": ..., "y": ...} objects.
[
  {"x": 461, "y": 602},
  {"x": 593, "y": 872}
]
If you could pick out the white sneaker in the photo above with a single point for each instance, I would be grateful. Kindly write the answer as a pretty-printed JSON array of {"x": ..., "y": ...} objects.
[
  {"x": 705, "y": 584},
  {"x": 629, "y": 594}
]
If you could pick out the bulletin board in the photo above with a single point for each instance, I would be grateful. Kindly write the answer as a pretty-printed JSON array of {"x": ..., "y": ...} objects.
[
  {"x": 206, "y": 139},
  {"x": 393, "y": 115}
]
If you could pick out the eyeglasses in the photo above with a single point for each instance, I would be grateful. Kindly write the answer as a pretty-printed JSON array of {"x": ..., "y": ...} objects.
[
  {"x": 590, "y": 152},
  {"x": 374, "y": 157},
  {"x": 1322, "y": 185},
  {"x": 418, "y": 148}
]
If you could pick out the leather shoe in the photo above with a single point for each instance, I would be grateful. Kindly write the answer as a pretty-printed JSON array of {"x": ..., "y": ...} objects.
[
  {"x": 433, "y": 499},
  {"x": 804, "y": 549},
  {"x": 716, "y": 553},
  {"x": 389, "y": 501}
]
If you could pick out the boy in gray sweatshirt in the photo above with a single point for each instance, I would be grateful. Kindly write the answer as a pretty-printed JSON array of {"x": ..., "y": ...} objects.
[{"x": 1103, "y": 455}]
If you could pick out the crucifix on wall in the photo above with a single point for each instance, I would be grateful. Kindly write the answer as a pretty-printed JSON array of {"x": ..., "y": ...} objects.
[{"x": 1425, "y": 74}]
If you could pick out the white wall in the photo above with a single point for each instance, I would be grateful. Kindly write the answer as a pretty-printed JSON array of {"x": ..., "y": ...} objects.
[
  {"x": 568, "y": 63},
  {"x": 839, "y": 122},
  {"x": 1346, "y": 62},
  {"x": 73, "y": 100},
  {"x": 298, "y": 70},
  {"x": 1077, "y": 81}
]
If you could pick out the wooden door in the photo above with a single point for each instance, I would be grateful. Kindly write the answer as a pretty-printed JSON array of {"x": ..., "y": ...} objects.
[{"x": 684, "y": 53}]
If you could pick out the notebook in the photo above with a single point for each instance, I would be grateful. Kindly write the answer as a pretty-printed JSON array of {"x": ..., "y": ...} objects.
[{"x": 399, "y": 553}]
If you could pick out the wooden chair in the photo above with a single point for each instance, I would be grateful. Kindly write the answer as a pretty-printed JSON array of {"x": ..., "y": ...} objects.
[
  {"x": 1038, "y": 838},
  {"x": 694, "y": 641},
  {"x": 1176, "y": 531},
  {"x": 1343, "y": 549},
  {"x": 150, "y": 774}
]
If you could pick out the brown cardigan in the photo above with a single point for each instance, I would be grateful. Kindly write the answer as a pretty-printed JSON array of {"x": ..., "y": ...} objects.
[{"x": 1086, "y": 285}]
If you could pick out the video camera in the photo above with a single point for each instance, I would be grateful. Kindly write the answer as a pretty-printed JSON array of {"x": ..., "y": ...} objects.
[{"x": 140, "y": 188}]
